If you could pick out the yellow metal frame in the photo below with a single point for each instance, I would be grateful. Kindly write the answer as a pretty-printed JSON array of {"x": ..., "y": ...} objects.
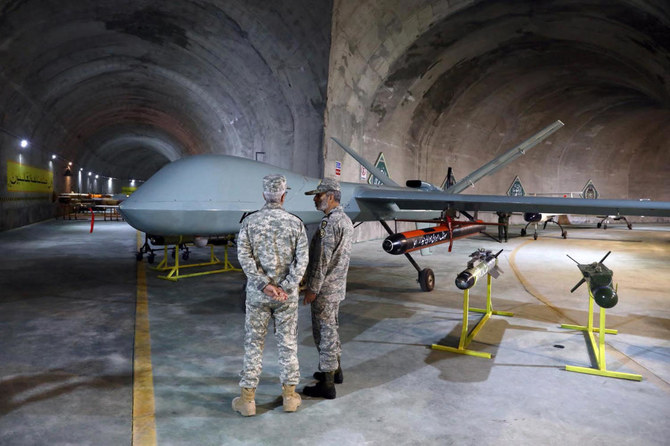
[
  {"x": 174, "y": 270},
  {"x": 467, "y": 338},
  {"x": 599, "y": 350}
]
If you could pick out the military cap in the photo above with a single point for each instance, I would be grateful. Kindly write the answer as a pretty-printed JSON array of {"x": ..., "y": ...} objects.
[
  {"x": 274, "y": 183},
  {"x": 326, "y": 185}
]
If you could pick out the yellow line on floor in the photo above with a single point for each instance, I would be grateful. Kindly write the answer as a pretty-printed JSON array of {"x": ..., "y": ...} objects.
[
  {"x": 530, "y": 288},
  {"x": 144, "y": 422}
]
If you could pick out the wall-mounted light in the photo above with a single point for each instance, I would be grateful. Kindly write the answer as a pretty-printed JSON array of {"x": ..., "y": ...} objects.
[
  {"x": 24, "y": 143},
  {"x": 53, "y": 157},
  {"x": 96, "y": 177},
  {"x": 89, "y": 174}
]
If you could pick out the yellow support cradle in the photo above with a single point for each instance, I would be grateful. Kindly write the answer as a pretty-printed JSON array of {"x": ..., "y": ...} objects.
[
  {"x": 174, "y": 270},
  {"x": 599, "y": 350},
  {"x": 466, "y": 338}
]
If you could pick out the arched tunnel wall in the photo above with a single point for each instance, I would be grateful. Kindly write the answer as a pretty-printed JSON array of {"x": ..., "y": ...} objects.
[
  {"x": 122, "y": 88},
  {"x": 435, "y": 84},
  {"x": 430, "y": 83}
]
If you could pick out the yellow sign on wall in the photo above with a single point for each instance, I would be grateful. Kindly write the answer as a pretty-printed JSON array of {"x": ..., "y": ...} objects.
[{"x": 22, "y": 178}]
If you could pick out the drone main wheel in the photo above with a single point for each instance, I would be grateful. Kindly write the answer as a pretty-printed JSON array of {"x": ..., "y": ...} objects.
[
  {"x": 564, "y": 234},
  {"x": 427, "y": 279},
  {"x": 599, "y": 225},
  {"x": 535, "y": 236},
  {"x": 523, "y": 232}
]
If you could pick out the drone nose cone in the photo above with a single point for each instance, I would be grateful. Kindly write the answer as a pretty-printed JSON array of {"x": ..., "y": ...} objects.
[
  {"x": 605, "y": 297},
  {"x": 465, "y": 280}
]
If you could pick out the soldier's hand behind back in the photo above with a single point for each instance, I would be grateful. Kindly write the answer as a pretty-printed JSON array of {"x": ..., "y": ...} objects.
[{"x": 309, "y": 297}]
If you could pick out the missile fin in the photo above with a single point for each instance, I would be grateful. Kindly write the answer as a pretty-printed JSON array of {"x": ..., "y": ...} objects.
[
  {"x": 578, "y": 285},
  {"x": 603, "y": 259},
  {"x": 573, "y": 259}
]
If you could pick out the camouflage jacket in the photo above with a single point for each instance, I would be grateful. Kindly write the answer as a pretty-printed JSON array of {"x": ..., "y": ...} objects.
[
  {"x": 272, "y": 249},
  {"x": 329, "y": 254}
]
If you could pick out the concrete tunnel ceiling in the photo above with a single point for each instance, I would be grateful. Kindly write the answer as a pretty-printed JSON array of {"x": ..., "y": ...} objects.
[
  {"x": 456, "y": 83},
  {"x": 125, "y": 87},
  {"x": 122, "y": 88}
]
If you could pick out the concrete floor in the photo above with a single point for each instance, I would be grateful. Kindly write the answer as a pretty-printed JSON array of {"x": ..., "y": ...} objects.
[{"x": 67, "y": 326}]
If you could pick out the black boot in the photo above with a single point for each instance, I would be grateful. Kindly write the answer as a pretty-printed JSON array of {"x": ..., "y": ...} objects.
[
  {"x": 322, "y": 389},
  {"x": 339, "y": 376}
]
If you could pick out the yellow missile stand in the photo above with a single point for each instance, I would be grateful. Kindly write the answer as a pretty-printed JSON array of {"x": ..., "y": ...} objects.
[
  {"x": 465, "y": 337},
  {"x": 175, "y": 275},
  {"x": 599, "y": 351}
]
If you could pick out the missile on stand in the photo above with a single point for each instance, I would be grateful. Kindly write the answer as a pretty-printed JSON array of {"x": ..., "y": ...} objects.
[
  {"x": 482, "y": 262},
  {"x": 404, "y": 242},
  {"x": 599, "y": 279}
]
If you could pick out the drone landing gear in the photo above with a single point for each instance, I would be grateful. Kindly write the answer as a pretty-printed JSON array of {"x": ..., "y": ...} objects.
[
  {"x": 605, "y": 221},
  {"x": 426, "y": 277},
  {"x": 564, "y": 233},
  {"x": 151, "y": 255},
  {"x": 145, "y": 249}
]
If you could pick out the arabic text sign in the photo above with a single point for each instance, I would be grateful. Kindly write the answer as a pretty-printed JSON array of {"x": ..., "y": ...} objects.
[{"x": 22, "y": 178}]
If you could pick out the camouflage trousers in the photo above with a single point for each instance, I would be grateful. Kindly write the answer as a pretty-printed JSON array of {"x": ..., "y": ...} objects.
[
  {"x": 325, "y": 324},
  {"x": 285, "y": 316}
]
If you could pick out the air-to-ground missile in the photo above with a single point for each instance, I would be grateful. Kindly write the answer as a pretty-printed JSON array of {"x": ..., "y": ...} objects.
[
  {"x": 404, "y": 242},
  {"x": 481, "y": 263},
  {"x": 599, "y": 278}
]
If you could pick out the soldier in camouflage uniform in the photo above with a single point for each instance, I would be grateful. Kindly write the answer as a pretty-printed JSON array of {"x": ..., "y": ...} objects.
[
  {"x": 272, "y": 250},
  {"x": 326, "y": 283}
]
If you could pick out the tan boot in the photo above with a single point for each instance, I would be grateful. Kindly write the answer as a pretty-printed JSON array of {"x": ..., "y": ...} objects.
[
  {"x": 245, "y": 403},
  {"x": 291, "y": 399}
]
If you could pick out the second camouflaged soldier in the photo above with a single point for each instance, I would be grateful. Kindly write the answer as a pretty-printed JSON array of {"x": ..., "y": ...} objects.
[
  {"x": 272, "y": 250},
  {"x": 326, "y": 283}
]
